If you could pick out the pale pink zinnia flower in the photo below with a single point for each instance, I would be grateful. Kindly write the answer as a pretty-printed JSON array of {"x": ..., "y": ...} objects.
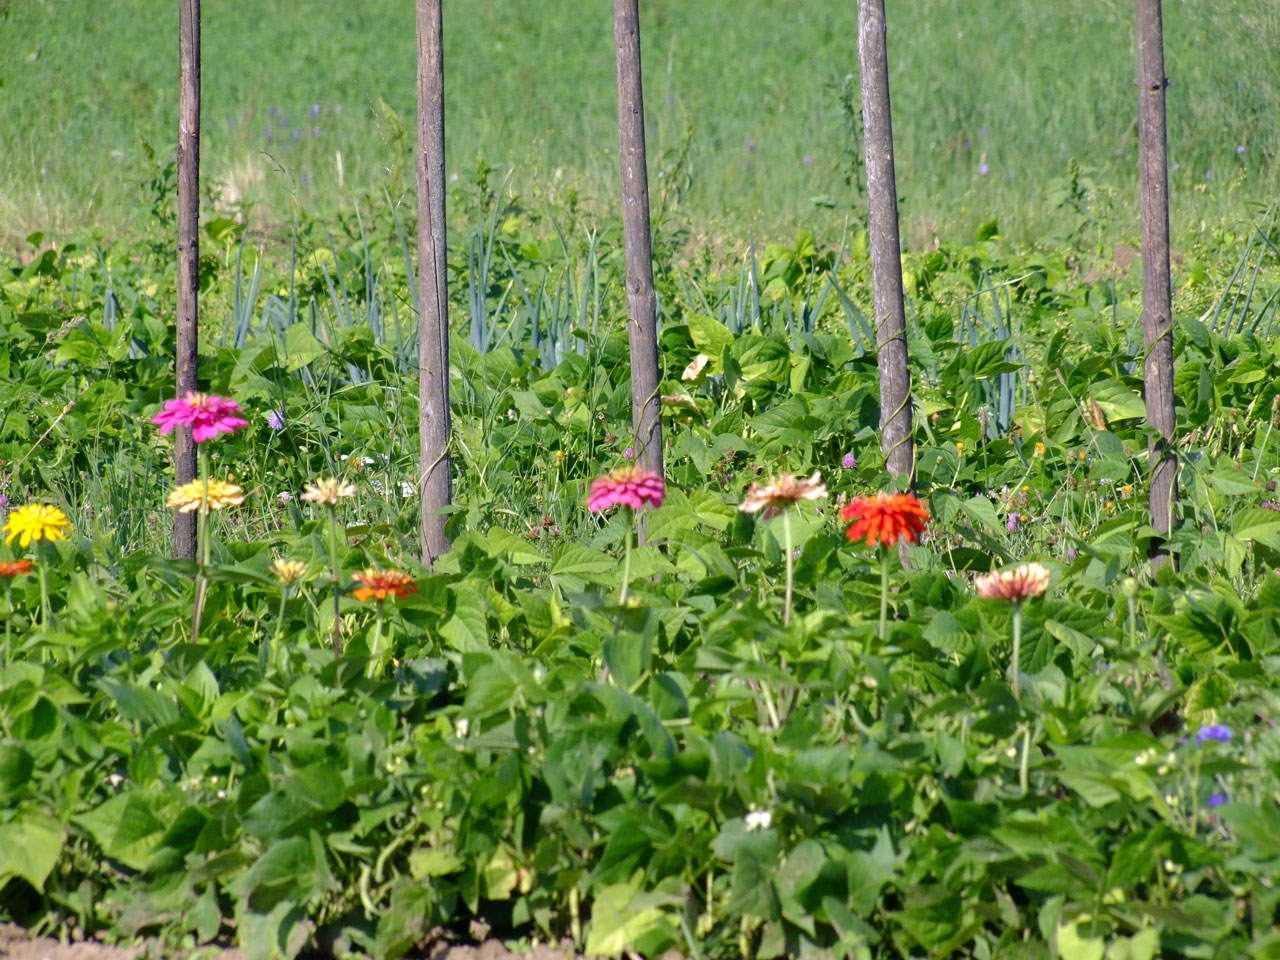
[
  {"x": 1026, "y": 580},
  {"x": 205, "y": 414},
  {"x": 782, "y": 492},
  {"x": 627, "y": 486}
]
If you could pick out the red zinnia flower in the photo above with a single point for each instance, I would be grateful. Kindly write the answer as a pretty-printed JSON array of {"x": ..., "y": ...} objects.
[
  {"x": 14, "y": 568},
  {"x": 886, "y": 517},
  {"x": 206, "y": 415},
  {"x": 381, "y": 584},
  {"x": 629, "y": 486}
]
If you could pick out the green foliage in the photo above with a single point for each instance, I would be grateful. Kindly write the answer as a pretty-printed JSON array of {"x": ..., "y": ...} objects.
[{"x": 680, "y": 771}]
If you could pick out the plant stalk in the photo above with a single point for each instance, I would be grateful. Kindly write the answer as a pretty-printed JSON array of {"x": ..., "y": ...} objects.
[
  {"x": 626, "y": 561},
  {"x": 337, "y": 577},
  {"x": 786, "y": 542},
  {"x": 46, "y": 610},
  {"x": 884, "y": 592},
  {"x": 1015, "y": 659},
  {"x": 202, "y": 545}
]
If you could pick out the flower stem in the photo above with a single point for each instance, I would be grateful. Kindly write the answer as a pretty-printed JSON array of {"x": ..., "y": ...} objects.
[
  {"x": 786, "y": 543},
  {"x": 45, "y": 611},
  {"x": 202, "y": 545},
  {"x": 264, "y": 653},
  {"x": 8, "y": 621},
  {"x": 884, "y": 592},
  {"x": 337, "y": 577},
  {"x": 1015, "y": 659},
  {"x": 626, "y": 561},
  {"x": 375, "y": 648}
]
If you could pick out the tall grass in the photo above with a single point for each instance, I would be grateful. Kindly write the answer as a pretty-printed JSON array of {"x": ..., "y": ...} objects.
[{"x": 748, "y": 104}]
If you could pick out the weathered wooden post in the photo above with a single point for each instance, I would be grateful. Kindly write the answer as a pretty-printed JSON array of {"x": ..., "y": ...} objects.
[
  {"x": 642, "y": 329},
  {"x": 433, "y": 298},
  {"x": 187, "y": 321},
  {"x": 1157, "y": 297},
  {"x": 886, "y": 251}
]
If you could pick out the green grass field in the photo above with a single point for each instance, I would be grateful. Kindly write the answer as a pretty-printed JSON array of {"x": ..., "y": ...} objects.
[{"x": 748, "y": 132}]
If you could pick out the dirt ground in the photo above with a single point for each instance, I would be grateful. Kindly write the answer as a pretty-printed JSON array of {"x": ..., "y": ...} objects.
[{"x": 15, "y": 944}]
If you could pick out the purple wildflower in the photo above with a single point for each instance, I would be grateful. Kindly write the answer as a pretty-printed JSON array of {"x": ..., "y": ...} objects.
[
  {"x": 750, "y": 144},
  {"x": 808, "y": 158},
  {"x": 983, "y": 169},
  {"x": 315, "y": 109},
  {"x": 1012, "y": 523},
  {"x": 1071, "y": 553},
  {"x": 849, "y": 461},
  {"x": 629, "y": 453},
  {"x": 1217, "y": 731},
  {"x": 275, "y": 420},
  {"x": 1240, "y": 150},
  {"x": 1216, "y": 799},
  {"x": 285, "y": 496}
]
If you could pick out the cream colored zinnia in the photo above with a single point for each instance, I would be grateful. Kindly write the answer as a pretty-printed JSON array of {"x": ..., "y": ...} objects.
[
  {"x": 328, "y": 491},
  {"x": 1016, "y": 584},
  {"x": 287, "y": 571},
  {"x": 782, "y": 491}
]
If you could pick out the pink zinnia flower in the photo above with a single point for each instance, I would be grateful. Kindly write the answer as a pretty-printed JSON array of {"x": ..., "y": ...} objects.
[
  {"x": 629, "y": 486},
  {"x": 206, "y": 415}
]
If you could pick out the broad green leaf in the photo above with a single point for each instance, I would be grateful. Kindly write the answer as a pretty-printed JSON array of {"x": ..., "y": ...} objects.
[
  {"x": 30, "y": 845},
  {"x": 301, "y": 347}
]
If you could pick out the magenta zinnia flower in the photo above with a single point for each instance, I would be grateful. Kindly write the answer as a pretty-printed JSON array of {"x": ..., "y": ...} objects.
[
  {"x": 206, "y": 415},
  {"x": 629, "y": 486}
]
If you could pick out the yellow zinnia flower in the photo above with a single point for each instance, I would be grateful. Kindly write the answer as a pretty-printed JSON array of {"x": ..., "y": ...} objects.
[
  {"x": 36, "y": 521},
  {"x": 328, "y": 491},
  {"x": 189, "y": 496}
]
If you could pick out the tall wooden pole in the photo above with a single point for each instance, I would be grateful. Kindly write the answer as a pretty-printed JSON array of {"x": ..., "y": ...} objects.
[
  {"x": 886, "y": 250},
  {"x": 1157, "y": 299},
  {"x": 433, "y": 300},
  {"x": 642, "y": 329},
  {"x": 185, "y": 360}
]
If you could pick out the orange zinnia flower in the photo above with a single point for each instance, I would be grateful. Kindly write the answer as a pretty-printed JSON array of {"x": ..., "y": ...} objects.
[
  {"x": 886, "y": 518},
  {"x": 14, "y": 568},
  {"x": 381, "y": 584}
]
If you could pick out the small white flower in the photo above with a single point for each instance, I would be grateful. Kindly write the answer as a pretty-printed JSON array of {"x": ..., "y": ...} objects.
[
  {"x": 115, "y": 779},
  {"x": 461, "y": 727},
  {"x": 511, "y": 414},
  {"x": 222, "y": 794},
  {"x": 759, "y": 820},
  {"x": 407, "y": 489}
]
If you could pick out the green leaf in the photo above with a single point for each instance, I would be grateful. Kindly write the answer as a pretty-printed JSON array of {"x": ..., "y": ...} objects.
[
  {"x": 301, "y": 347},
  {"x": 467, "y": 630},
  {"x": 1259, "y": 526},
  {"x": 30, "y": 845},
  {"x": 1117, "y": 401},
  {"x": 710, "y": 337},
  {"x": 574, "y": 563},
  {"x": 516, "y": 550},
  {"x": 125, "y": 828}
]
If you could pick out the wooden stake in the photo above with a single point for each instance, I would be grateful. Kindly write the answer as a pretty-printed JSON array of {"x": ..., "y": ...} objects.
[
  {"x": 1157, "y": 298},
  {"x": 186, "y": 353},
  {"x": 642, "y": 331},
  {"x": 886, "y": 250},
  {"x": 433, "y": 299}
]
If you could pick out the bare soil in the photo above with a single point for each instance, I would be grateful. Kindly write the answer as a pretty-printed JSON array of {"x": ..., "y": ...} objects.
[{"x": 17, "y": 944}]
